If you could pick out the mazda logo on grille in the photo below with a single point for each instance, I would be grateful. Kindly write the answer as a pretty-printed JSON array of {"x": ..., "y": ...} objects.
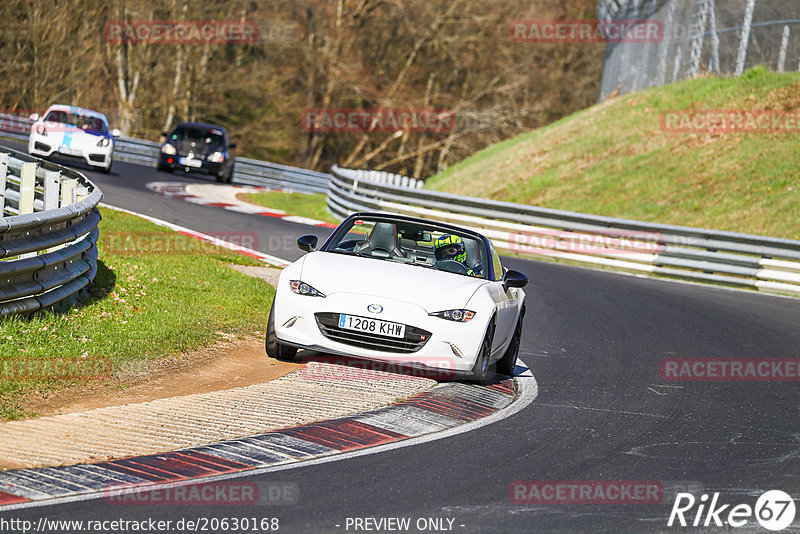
[{"x": 375, "y": 308}]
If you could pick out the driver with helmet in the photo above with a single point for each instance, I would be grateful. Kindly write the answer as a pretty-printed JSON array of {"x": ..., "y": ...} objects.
[{"x": 451, "y": 247}]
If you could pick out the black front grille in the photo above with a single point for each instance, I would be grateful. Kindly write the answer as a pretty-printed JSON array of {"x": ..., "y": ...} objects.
[
  {"x": 97, "y": 157},
  {"x": 414, "y": 339},
  {"x": 41, "y": 146}
]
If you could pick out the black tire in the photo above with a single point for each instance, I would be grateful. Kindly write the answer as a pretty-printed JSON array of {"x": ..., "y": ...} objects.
[
  {"x": 220, "y": 178},
  {"x": 229, "y": 179},
  {"x": 164, "y": 168},
  {"x": 275, "y": 349},
  {"x": 508, "y": 362},
  {"x": 480, "y": 370}
]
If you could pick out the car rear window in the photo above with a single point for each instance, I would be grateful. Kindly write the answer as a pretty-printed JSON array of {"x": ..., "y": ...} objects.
[{"x": 200, "y": 135}]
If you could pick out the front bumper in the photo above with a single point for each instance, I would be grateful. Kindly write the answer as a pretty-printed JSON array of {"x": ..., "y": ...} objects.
[
  {"x": 45, "y": 146},
  {"x": 449, "y": 346},
  {"x": 206, "y": 167}
]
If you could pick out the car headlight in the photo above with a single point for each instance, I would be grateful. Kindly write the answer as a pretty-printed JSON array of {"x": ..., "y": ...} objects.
[
  {"x": 103, "y": 142},
  {"x": 216, "y": 157},
  {"x": 41, "y": 130},
  {"x": 301, "y": 288},
  {"x": 168, "y": 149},
  {"x": 460, "y": 316}
]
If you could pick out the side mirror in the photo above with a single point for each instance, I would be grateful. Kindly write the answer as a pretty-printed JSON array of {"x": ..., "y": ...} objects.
[
  {"x": 232, "y": 145},
  {"x": 35, "y": 117},
  {"x": 514, "y": 279},
  {"x": 115, "y": 132},
  {"x": 307, "y": 243}
]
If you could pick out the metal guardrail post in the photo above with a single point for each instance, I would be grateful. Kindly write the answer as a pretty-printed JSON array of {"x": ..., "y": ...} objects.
[
  {"x": 3, "y": 173},
  {"x": 27, "y": 188},
  {"x": 67, "y": 191},
  {"x": 52, "y": 181}
]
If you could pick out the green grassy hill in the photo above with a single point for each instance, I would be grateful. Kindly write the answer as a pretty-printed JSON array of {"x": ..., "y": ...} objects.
[{"x": 616, "y": 159}]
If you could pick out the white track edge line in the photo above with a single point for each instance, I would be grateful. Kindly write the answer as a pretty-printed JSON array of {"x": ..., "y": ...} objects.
[{"x": 267, "y": 258}]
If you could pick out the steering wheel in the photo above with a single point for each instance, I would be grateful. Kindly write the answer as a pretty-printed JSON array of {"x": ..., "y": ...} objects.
[{"x": 452, "y": 266}]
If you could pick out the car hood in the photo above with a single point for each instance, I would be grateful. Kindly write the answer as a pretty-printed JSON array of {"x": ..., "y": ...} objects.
[{"x": 426, "y": 287}]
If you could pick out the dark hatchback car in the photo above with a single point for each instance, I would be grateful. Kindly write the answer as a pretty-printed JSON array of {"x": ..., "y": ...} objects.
[{"x": 198, "y": 147}]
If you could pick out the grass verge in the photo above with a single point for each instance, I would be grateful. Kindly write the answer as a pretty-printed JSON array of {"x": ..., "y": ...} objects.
[
  {"x": 156, "y": 294},
  {"x": 615, "y": 159},
  {"x": 311, "y": 205}
]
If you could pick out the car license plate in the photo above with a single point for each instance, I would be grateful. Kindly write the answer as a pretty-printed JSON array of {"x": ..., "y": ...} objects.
[
  {"x": 190, "y": 162},
  {"x": 371, "y": 326},
  {"x": 68, "y": 151}
]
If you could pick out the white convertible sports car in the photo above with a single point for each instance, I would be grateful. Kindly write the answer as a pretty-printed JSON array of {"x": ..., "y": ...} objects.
[
  {"x": 73, "y": 132},
  {"x": 403, "y": 290}
]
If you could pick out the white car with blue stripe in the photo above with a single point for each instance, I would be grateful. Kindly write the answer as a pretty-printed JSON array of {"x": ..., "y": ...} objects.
[{"x": 73, "y": 132}]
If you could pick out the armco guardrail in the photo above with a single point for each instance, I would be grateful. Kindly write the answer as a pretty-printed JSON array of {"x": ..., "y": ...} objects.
[
  {"x": 48, "y": 233},
  {"x": 764, "y": 263},
  {"x": 246, "y": 171}
]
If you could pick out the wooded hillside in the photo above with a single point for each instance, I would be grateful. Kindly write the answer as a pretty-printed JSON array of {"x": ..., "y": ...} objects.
[{"x": 353, "y": 54}]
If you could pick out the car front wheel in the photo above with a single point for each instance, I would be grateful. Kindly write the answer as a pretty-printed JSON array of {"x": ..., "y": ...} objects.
[
  {"x": 480, "y": 370},
  {"x": 508, "y": 362},
  {"x": 273, "y": 348}
]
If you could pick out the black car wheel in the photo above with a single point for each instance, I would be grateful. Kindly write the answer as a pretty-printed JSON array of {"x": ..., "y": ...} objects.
[
  {"x": 480, "y": 369},
  {"x": 273, "y": 348},
  {"x": 508, "y": 362}
]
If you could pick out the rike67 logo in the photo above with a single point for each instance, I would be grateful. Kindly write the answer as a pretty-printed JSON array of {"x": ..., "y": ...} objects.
[{"x": 774, "y": 510}]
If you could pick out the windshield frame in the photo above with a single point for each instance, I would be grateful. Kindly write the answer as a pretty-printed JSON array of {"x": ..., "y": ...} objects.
[
  {"x": 67, "y": 115},
  {"x": 483, "y": 256}
]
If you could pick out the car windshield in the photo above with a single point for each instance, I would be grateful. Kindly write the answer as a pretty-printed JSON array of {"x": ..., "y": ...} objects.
[
  {"x": 411, "y": 242},
  {"x": 211, "y": 137},
  {"x": 84, "y": 122}
]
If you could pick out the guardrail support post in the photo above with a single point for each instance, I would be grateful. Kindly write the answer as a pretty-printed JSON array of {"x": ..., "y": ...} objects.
[
  {"x": 27, "y": 193},
  {"x": 52, "y": 181},
  {"x": 3, "y": 174},
  {"x": 67, "y": 191},
  {"x": 27, "y": 187},
  {"x": 51, "y": 189}
]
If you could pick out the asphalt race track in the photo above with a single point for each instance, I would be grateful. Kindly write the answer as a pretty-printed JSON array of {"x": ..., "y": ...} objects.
[{"x": 594, "y": 341}]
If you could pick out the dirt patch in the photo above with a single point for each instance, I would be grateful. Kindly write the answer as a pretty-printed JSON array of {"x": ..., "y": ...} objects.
[
  {"x": 224, "y": 365},
  {"x": 268, "y": 274}
]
